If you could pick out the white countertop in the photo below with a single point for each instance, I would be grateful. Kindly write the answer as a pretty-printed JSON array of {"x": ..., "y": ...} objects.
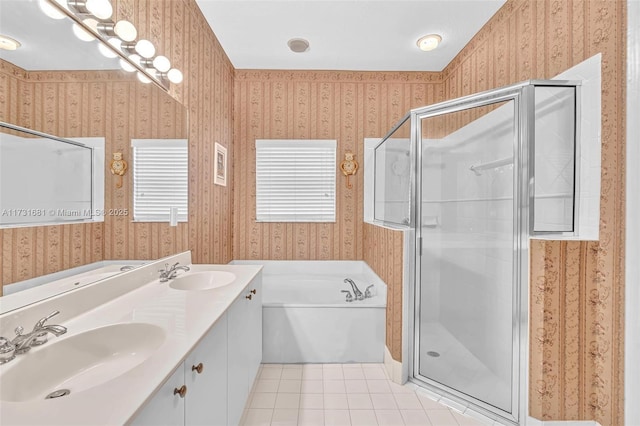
[{"x": 185, "y": 317}]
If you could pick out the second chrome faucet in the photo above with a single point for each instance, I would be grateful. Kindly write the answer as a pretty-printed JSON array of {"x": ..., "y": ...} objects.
[{"x": 170, "y": 272}]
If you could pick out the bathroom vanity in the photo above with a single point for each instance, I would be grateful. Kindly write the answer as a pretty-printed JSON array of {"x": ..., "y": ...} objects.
[{"x": 141, "y": 350}]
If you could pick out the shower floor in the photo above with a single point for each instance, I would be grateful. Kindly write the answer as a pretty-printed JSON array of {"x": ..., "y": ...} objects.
[{"x": 457, "y": 368}]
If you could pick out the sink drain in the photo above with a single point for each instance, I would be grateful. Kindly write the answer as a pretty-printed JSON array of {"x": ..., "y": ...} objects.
[
  {"x": 433, "y": 354},
  {"x": 58, "y": 393}
]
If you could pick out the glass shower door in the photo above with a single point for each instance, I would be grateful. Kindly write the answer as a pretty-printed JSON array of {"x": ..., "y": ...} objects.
[{"x": 466, "y": 314}]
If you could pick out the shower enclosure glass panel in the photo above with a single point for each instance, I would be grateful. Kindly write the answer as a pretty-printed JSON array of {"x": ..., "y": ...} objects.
[
  {"x": 392, "y": 181},
  {"x": 467, "y": 321}
]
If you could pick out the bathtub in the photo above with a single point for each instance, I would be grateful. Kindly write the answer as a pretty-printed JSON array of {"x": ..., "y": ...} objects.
[{"x": 306, "y": 319}]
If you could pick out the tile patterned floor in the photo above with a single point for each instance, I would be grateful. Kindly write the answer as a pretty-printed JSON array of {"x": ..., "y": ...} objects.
[{"x": 343, "y": 394}]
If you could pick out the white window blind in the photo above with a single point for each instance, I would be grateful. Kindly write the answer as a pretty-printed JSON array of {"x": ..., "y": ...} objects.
[
  {"x": 295, "y": 180},
  {"x": 160, "y": 179}
]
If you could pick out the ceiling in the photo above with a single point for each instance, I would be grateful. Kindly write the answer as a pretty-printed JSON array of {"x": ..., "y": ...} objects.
[
  {"x": 366, "y": 35},
  {"x": 362, "y": 35}
]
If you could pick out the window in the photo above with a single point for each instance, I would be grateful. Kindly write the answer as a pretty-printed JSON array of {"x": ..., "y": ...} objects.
[
  {"x": 160, "y": 179},
  {"x": 296, "y": 180}
]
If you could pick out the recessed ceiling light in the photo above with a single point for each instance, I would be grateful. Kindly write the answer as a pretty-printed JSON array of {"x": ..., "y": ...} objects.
[
  {"x": 429, "y": 42},
  {"x": 7, "y": 43},
  {"x": 298, "y": 45}
]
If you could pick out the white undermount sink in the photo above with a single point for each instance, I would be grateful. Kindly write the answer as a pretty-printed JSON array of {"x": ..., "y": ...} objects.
[
  {"x": 205, "y": 280},
  {"x": 79, "y": 362}
]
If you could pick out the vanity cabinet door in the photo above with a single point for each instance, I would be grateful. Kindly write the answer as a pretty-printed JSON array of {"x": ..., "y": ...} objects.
[
  {"x": 165, "y": 408},
  {"x": 238, "y": 359},
  {"x": 245, "y": 347},
  {"x": 205, "y": 370},
  {"x": 254, "y": 318}
]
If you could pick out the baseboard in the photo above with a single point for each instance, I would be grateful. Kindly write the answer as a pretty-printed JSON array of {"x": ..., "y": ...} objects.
[
  {"x": 532, "y": 421},
  {"x": 393, "y": 367}
]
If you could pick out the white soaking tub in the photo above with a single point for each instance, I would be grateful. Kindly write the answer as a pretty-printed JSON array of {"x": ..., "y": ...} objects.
[{"x": 306, "y": 318}]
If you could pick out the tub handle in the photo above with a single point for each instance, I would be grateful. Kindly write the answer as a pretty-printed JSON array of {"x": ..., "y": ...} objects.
[
  {"x": 349, "y": 296},
  {"x": 367, "y": 293}
]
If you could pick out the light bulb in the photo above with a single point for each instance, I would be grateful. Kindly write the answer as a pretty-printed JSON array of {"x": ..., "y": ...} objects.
[
  {"x": 127, "y": 66},
  {"x": 49, "y": 10},
  {"x": 81, "y": 33},
  {"x": 143, "y": 78},
  {"x": 115, "y": 42},
  {"x": 91, "y": 23},
  {"x": 101, "y": 9},
  {"x": 175, "y": 76},
  {"x": 161, "y": 63},
  {"x": 106, "y": 52},
  {"x": 145, "y": 49},
  {"x": 125, "y": 30}
]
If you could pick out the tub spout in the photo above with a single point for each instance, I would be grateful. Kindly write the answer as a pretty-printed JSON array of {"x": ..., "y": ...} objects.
[{"x": 354, "y": 287}]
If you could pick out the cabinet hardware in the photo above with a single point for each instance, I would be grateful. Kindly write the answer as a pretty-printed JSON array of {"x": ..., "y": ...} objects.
[
  {"x": 248, "y": 296},
  {"x": 197, "y": 368},
  {"x": 182, "y": 391},
  {"x": 253, "y": 291}
]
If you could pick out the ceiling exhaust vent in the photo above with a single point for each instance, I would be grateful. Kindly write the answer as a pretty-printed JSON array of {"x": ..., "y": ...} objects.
[{"x": 298, "y": 45}]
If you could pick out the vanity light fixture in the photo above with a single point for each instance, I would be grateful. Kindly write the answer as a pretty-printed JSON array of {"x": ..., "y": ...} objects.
[
  {"x": 8, "y": 43},
  {"x": 161, "y": 63},
  {"x": 175, "y": 76},
  {"x": 92, "y": 20},
  {"x": 101, "y": 9},
  {"x": 143, "y": 78},
  {"x": 49, "y": 10},
  {"x": 429, "y": 42},
  {"x": 145, "y": 49},
  {"x": 81, "y": 33},
  {"x": 123, "y": 30}
]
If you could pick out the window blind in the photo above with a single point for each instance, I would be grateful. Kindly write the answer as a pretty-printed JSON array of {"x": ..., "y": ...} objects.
[
  {"x": 295, "y": 180},
  {"x": 160, "y": 179}
]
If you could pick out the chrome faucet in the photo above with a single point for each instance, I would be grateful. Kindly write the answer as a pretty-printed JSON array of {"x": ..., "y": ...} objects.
[
  {"x": 169, "y": 273},
  {"x": 356, "y": 291},
  {"x": 38, "y": 336}
]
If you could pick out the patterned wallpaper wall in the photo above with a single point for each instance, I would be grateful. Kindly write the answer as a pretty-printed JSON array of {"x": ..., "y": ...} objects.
[
  {"x": 577, "y": 288},
  {"x": 347, "y": 106}
]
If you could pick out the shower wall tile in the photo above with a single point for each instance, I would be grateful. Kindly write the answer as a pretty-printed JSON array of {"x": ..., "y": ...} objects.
[{"x": 576, "y": 349}]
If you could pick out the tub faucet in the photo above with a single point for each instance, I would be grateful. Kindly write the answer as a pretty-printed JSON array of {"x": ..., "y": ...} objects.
[
  {"x": 354, "y": 287},
  {"x": 367, "y": 292},
  {"x": 38, "y": 336},
  {"x": 169, "y": 273}
]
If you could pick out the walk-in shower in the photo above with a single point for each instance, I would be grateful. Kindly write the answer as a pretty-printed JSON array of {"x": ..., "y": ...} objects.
[{"x": 475, "y": 178}]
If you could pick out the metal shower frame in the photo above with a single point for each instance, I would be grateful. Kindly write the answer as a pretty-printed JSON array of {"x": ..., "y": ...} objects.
[{"x": 522, "y": 94}]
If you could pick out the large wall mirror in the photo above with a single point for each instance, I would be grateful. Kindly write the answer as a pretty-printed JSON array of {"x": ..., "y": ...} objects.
[{"x": 57, "y": 85}]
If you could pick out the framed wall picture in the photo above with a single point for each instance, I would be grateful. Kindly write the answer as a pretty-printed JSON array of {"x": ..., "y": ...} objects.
[{"x": 220, "y": 165}]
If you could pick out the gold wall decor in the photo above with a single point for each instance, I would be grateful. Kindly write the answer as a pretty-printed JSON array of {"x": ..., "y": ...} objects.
[{"x": 349, "y": 167}]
